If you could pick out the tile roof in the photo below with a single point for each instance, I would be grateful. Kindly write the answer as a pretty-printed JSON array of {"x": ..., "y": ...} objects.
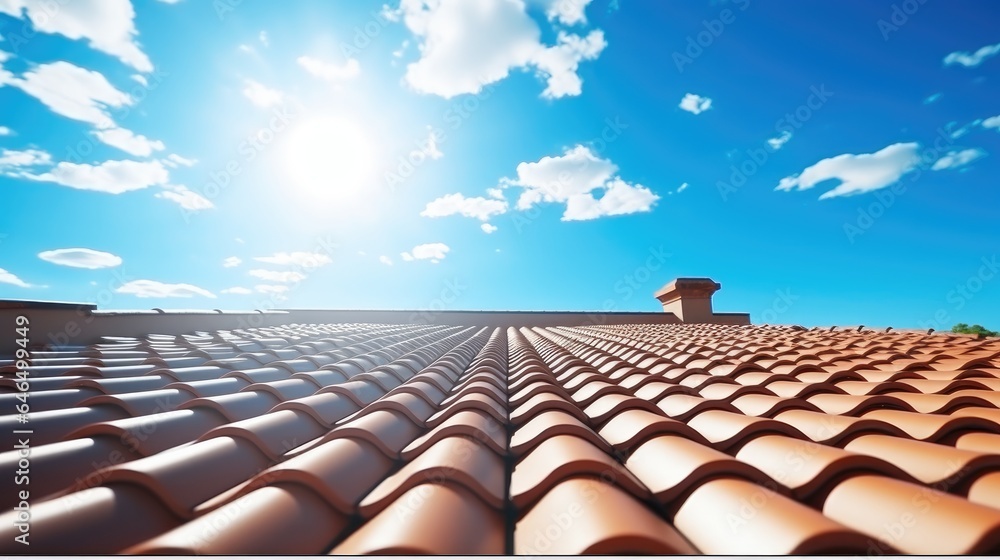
[{"x": 399, "y": 438}]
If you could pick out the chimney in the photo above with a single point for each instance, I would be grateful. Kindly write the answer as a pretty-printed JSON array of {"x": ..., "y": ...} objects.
[{"x": 690, "y": 299}]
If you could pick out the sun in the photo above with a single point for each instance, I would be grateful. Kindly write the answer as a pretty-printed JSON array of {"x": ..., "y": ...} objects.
[{"x": 329, "y": 159}]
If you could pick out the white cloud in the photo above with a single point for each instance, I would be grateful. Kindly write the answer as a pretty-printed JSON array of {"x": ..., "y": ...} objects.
[
  {"x": 263, "y": 38},
  {"x": 4, "y": 131},
  {"x": 238, "y": 290},
  {"x": 974, "y": 59},
  {"x": 261, "y": 95},
  {"x": 567, "y": 12},
  {"x": 232, "y": 262},
  {"x": 467, "y": 45},
  {"x": 10, "y": 278},
  {"x": 289, "y": 276},
  {"x": 247, "y": 49},
  {"x": 329, "y": 71},
  {"x": 81, "y": 258},
  {"x": 11, "y": 161},
  {"x": 682, "y": 188},
  {"x": 85, "y": 95},
  {"x": 297, "y": 258},
  {"x": 5, "y": 76},
  {"x": 433, "y": 252},
  {"x": 857, "y": 173},
  {"x": 779, "y": 141},
  {"x": 114, "y": 177},
  {"x": 932, "y": 98},
  {"x": 489, "y": 228},
  {"x": 128, "y": 141},
  {"x": 955, "y": 159},
  {"x": 694, "y": 103},
  {"x": 73, "y": 92},
  {"x": 473, "y": 207},
  {"x": 185, "y": 197},
  {"x": 495, "y": 193},
  {"x": 108, "y": 25},
  {"x": 170, "y": 1},
  {"x": 154, "y": 289},
  {"x": 174, "y": 160},
  {"x": 572, "y": 179},
  {"x": 140, "y": 79},
  {"x": 270, "y": 288},
  {"x": 992, "y": 122},
  {"x": 619, "y": 198},
  {"x": 402, "y": 49},
  {"x": 385, "y": 260},
  {"x": 963, "y": 130},
  {"x": 428, "y": 148}
]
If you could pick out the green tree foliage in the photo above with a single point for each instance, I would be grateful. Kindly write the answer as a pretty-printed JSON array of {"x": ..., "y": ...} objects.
[{"x": 963, "y": 328}]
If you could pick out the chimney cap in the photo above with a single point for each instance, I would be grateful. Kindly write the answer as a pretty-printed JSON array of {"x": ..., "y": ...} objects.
[{"x": 687, "y": 288}]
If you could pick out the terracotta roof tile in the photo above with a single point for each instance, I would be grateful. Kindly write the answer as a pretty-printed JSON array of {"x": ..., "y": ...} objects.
[
  {"x": 588, "y": 516},
  {"x": 615, "y": 439}
]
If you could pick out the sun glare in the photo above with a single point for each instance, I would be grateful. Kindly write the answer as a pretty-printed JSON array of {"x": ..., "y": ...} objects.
[{"x": 329, "y": 159}]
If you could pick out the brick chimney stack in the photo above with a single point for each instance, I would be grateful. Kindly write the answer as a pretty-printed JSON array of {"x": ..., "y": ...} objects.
[{"x": 690, "y": 299}]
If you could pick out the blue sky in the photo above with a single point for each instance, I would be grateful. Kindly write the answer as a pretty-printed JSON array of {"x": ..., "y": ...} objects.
[{"x": 828, "y": 164}]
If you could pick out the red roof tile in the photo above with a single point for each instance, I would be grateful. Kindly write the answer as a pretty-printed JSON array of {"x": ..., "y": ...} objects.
[{"x": 618, "y": 439}]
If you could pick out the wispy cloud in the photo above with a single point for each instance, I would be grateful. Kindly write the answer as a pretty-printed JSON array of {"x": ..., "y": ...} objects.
[
  {"x": 10, "y": 278},
  {"x": 958, "y": 158},
  {"x": 79, "y": 257},
  {"x": 329, "y": 71},
  {"x": 385, "y": 260},
  {"x": 185, "y": 198},
  {"x": 974, "y": 59},
  {"x": 113, "y": 177},
  {"x": 156, "y": 289},
  {"x": 237, "y": 290},
  {"x": 289, "y": 276},
  {"x": 261, "y": 95},
  {"x": 297, "y": 258},
  {"x": 857, "y": 173},
  {"x": 232, "y": 262}
]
